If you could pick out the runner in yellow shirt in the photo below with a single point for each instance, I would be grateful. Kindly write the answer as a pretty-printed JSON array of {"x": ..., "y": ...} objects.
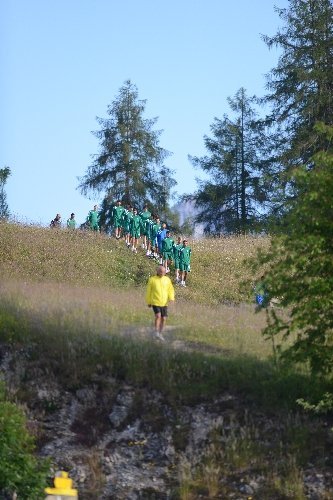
[{"x": 159, "y": 292}]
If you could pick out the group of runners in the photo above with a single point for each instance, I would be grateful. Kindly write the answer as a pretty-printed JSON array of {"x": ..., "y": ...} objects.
[
  {"x": 156, "y": 239},
  {"x": 142, "y": 230}
]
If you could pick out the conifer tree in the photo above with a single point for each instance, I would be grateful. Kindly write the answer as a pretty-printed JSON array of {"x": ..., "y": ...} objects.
[
  {"x": 130, "y": 164},
  {"x": 300, "y": 264},
  {"x": 231, "y": 198},
  {"x": 300, "y": 87}
]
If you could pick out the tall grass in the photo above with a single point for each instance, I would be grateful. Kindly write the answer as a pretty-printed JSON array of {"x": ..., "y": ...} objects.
[
  {"x": 86, "y": 291},
  {"x": 74, "y": 304},
  {"x": 85, "y": 258},
  {"x": 80, "y": 257},
  {"x": 69, "y": 330}
]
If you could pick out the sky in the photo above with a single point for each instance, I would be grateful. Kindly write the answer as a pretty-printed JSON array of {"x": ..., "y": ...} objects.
[{"x": 64, "y": 61}]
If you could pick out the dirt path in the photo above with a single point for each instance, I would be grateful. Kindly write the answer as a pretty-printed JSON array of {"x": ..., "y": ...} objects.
[{"x": 147, "y": 333}]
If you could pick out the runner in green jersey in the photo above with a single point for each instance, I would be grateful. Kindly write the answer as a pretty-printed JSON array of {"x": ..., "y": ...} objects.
[
  {"x": 149, "y": 227},
  {"x": 135, "y": 226},
  {"x": 153, "y": 236},
  {"x": 145, "y": 215},
  {"x": 184, "y": 262},
  {"x": 117, "y": 215},
  {"x": 123, "y": 220},
  {"x": 71, "y": 222},
  {"x": 177, "y": 246},
  {"x": 93, "y": 219},
  {"x": 127, "y": 217},
  {"x": 167, "y": 251}
]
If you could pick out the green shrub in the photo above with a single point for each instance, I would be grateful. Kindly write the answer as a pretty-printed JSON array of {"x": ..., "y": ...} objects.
[
  {"x": 301, "y": 268},
  {"x": 20, "y": 471}
]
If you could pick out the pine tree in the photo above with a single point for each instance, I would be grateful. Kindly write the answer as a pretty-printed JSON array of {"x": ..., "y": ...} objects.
[
  {"x": 300, "y": 264},
  {"x": 231, "y": 199},
  {"x": 301, "y": 85},
  {"x": 129, "y": 165}
]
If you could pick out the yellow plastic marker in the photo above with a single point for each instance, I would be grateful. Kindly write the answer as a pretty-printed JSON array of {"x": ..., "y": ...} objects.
[{"x": 62, "y": 488}]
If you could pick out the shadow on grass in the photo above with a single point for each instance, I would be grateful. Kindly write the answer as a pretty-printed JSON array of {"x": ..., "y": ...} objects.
[{"x": 74, "y": 358}]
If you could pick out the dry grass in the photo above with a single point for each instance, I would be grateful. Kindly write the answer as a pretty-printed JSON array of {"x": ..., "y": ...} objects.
[
  {"x": 94, "y": 287},
  {"x": 80, "y": 257},
  {"x": 219, "y": 267},
  {"x": 234, "y": 328},
  {"x": 100, "y": 310},
  {"x": 220, "y": 270},
  {"x": 72, "y": 298},
  {"x": 83, "y": 280},
  {"x": 86, "y": 280}
]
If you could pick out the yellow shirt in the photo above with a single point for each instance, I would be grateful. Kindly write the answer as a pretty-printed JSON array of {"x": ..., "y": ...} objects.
[{"x": 159, "y": 291}]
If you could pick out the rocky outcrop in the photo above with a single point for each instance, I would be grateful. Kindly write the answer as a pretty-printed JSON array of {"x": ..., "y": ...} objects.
[{"x": 119, "y": 442}]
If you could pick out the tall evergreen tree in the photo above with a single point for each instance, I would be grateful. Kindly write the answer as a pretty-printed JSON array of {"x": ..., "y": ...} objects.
[
  {"x": 300, "y": 87},
  {"x": 300, "y": 266},
  {"x": 233, "y": 198},
  {"x": 4, "y": 210},
  {"x": 130, "y": 164},
  {"x": 300, "y": 258}
]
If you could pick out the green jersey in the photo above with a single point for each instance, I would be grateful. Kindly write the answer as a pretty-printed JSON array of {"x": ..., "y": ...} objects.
[
  {"x": 185, "y": 255},
  {"x": 71, "y": 223},
  {"x": 135, "y": 225},
  {"x": 167, "y": 245},
  {"x": 145, "y": 215},
  {"x": 117, "y": 214},
  {"x": 154, "y": 230},
  {"x": 176, "y": 249},
  {"x": 149, "y": 227},
  {"x": 93, "y": 219},
  {"x": 123, "y": 218},
  {"x": 127, "y": 217}
]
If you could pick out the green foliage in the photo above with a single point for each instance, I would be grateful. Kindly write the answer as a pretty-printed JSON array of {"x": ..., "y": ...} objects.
[
  {"x": 324, "y": 405},
  {"x": 129, "y": 165},
  {"x": 20, "y": 471},
  {"x": 300, "y": 92},
  {"x": 229, "y": 200},
  {"x": 301, "y": 272}
]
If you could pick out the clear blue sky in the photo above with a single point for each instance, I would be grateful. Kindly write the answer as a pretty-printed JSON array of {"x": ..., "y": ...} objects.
[{"x": 64, "y": 61}]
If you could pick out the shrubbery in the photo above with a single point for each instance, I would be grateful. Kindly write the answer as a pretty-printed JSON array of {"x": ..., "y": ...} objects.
[{"x": 20, "y": 471}]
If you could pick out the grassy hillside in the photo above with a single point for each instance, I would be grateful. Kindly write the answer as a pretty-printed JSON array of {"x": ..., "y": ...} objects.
[
  {"x": 84, "y": 258},
  {"x": 85, "y": 289},
  {"x": 73, "y": 304}
]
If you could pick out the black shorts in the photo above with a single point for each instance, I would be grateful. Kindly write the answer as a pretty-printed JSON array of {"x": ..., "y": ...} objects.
[{"x": 162, "y": 310}]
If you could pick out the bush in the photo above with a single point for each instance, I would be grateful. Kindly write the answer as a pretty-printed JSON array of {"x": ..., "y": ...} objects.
[{"x": 20, "y": 471}]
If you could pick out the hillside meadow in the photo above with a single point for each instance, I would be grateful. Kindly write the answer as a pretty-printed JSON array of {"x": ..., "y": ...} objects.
[
  {"x": 85, "y": 258},
  {"x": 86, "y": 291},
  {"x": 73, "y": 302}
]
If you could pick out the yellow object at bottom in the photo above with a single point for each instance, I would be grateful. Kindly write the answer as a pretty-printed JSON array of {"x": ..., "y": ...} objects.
[{"x": 62, "y": 488}]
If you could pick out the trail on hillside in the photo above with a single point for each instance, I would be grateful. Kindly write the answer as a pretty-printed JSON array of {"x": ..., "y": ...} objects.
[{"x": 171, "y": 341}]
